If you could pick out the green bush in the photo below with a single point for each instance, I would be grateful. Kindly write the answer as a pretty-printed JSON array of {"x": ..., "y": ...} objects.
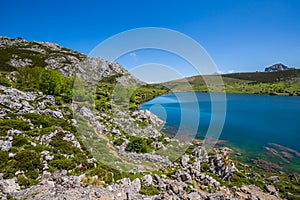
[
  {"x": 2, "y": 132},
  {"x": 3, "y": 158},
  {"x": 63, "y": 146},
  {"x": 28, "y": 77},
  {"x": 19, "y": 141},
  {"x": 149, "y": 190},
  {"x": 4, "y": 82},
  {"x": 40, "y": 119},
  {"x": 28, "y": 160},
  {"x": 23, "y": 181},
  {"x": 204, "y": 167},
  {"x": 118, "y": 142},
  {"x": 65, "y": 163},
  {"x": 15, "y": 124},
  {"x": 138, "y": 145},
  {"x": 50, "y": 82}
]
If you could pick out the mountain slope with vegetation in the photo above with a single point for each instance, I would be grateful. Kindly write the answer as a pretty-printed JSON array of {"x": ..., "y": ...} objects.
[
  {"x": 43, "y": 142},
  {"x": 285, "y": 83}
]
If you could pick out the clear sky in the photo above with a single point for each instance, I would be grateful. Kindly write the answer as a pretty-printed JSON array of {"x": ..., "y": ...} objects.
[{"x": 240, "y": 35}]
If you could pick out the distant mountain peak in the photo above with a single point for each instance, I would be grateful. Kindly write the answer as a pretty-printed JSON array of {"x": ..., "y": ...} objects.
[{"x": 276, "y": 67}]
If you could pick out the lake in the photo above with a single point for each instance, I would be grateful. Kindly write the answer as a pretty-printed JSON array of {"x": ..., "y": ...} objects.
[{"x": 257, "y": 126}]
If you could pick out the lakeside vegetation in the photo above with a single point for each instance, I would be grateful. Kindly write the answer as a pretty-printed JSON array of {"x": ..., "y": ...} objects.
[{"x": 283, "y": 83}]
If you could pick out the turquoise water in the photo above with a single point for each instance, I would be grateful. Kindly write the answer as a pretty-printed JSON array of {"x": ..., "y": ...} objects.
[{"x": 251, "y": 123}]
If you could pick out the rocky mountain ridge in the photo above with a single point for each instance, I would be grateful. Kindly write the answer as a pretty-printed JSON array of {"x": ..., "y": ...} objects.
[{"x": 18, "y": 52}]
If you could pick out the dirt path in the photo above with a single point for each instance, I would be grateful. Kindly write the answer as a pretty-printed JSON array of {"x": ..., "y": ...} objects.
[{"x": 114, "y": 152}]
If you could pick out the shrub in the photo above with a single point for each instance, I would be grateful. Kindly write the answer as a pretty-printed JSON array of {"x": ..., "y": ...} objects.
[
  {"x": 66, "y": 164},
  {"x": 50, "y": 82},
  {"x": 138, "y": 145},
  {"x": 28, "y": 77},
  {"x": 63, "y": 146},
  {"x": 15, "y": 124},
  {"x": 3, "y": 158},
  {"x": 149, "y": 190},
  {"x": 2, "y": 133},
  {"x": 23, "y": 181},
  {"x": 19, "y": 141},
  {"x": 118, "y": 142},
  {"x": 4, "y": 82},
  {"x": 205, "y": 167},
  {"x": 40, "y": 119},
  {"x": 28, "y": 160}
]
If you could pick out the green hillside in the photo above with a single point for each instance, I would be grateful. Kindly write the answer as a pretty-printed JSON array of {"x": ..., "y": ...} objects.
[{"x": 274, "y": 83}]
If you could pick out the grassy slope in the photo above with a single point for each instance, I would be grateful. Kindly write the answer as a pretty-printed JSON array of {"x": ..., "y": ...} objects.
[{"x": 276, "y": 83}]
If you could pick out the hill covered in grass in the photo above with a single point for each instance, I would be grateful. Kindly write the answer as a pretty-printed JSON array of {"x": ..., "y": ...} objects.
[{"x": 285, "y": 82}]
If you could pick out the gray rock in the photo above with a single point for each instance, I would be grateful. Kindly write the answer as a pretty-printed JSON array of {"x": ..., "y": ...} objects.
[
  {"x": 147, "y": 180},
  {"x": 195, "y": 195},
  {"x": 271, "y": 189},
  {"x": 71, "y": 138},
  {"x": 5, "y": 145},
  {"x": 9, "y": 185},
  {"x": 184, "y": 160},
  {"x": 136, "y": 185},
  {"x": 85, "y": 112},
  {"x": 273, "y": 179},
  {"x": 157, "y": 145},
  {"x": 216, "y": 196},
  {"x": 14, "y": 132}
]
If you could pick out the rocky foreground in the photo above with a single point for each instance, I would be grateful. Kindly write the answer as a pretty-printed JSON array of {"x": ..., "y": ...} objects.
[{"x": 59, "y": 185}]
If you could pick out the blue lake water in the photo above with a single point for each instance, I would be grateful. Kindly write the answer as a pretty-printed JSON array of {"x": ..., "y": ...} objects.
[{"x": 252, "y": 122}]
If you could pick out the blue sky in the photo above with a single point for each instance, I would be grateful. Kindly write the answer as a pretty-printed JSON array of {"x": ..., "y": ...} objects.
[{"x": 238, "y": 35}]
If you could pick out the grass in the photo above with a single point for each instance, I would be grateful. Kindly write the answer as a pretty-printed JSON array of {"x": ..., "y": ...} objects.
[{"x": 272, "y": 83}]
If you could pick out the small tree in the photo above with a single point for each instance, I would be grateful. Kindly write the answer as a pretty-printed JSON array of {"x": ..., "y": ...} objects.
[
  {"x": 137, "y": 145},
  {"x": 51, "y": 82},
  {"x": 28, "y": 77}
]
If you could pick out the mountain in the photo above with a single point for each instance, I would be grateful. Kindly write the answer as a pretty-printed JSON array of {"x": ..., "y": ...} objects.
[
  {"x": 15, "y": 53},
  {"x": 63, "y": 137},
  {"x": 276, "y": 67}
]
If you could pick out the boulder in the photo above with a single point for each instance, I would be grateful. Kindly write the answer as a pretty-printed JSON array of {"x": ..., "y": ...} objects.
[
  {"x": 147, "y": 180},
  {"x": 273, "y": 179},
  {"x": 184, "y": 160}
]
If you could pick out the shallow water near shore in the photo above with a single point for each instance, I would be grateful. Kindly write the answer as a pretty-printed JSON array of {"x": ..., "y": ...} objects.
[{"x": 257, "y": 126}]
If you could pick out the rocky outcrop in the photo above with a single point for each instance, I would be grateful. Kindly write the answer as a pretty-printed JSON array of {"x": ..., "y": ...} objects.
[
  {"x": 19, "y": 102},
  {"x": 44, "y": 54},
  {"x": 58, "y": 186}
]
